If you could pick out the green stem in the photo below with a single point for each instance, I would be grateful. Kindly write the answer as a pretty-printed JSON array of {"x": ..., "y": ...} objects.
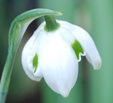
[
  {"x": 16, "y": 32},
  {"x": 51, "y": 24},
  {"x": 5, "y": 79}
]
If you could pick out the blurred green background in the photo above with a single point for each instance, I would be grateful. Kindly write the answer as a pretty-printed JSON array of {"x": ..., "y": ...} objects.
[{"x": 95, "y": 16}]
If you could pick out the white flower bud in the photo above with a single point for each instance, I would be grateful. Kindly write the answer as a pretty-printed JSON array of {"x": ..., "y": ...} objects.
[{"x": 55, "y": 55}]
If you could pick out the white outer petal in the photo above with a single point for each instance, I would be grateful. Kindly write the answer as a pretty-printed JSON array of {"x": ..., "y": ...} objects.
[
  {"x": 29, "y": 51},
  {"x": 87, "y": 43},
  {"x": 59, "y": 64}
]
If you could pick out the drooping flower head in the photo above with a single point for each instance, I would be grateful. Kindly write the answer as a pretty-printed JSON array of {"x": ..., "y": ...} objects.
[{"x": 53, "y": 52}]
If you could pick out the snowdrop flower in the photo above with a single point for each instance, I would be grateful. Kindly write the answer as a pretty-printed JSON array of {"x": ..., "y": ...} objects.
[{"x": 53, "y": 52}]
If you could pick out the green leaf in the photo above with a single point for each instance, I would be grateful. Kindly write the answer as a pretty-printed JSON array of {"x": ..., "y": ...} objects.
[
  {"x": 77, "y": 48},
  {"x": 35, "y": 62}
]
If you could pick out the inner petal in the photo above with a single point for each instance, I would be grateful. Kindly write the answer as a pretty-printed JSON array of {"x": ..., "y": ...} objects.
[{"x": 78, "y": 49}]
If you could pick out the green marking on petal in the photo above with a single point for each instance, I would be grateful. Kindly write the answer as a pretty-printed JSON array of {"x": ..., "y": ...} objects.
[
  {"x": 35, "y": 62},
  {"x": 77, "y": 48},
  {"x": 99, "y": 65}
]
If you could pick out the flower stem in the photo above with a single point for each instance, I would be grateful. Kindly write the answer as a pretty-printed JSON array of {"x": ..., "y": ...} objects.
[
  {"x": 5, "y": 79},
  {"x": 16, "y": 32},
  {"x": 51, "y": 24}
]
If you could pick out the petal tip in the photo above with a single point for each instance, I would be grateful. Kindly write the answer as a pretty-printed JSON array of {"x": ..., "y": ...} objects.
[
  {"x": 66, "y": 94},
  {"x": 99, "y": 64}
]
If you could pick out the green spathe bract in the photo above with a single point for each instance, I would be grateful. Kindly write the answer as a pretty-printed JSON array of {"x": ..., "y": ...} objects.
[
  {"x": 35, "y": 62},
  {"x": 77, "y": 48},
  {"x": 16, "y": 32}
]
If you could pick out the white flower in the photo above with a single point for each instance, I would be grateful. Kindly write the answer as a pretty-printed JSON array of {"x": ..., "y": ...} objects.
[{"x": 55, "y": 55}]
